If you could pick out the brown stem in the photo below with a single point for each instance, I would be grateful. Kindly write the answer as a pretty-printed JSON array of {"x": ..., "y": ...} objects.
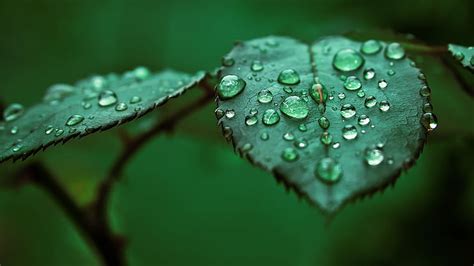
[
  {"x": 424, "y": 48},
  {"x": 107, "y": 245}
]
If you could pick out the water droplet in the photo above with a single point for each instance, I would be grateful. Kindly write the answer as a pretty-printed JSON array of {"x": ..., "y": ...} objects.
[
  {"x": 427, "y": 108},
  {"x": 141, "y": 72},
  {"x": 121, "y": 107},
  {"x": 14, "y": 130},
  {"x": 98, "y": 82},
  {"x": 425, "y": 91},
  {"x": 229, "y": 113},
  {"x": 107, "y": 98},
  {"x": 86, "y": 105},
  {"x": 265, "y": 96},
  {"x": 271, "y": 43},
  {"x": 59, "y": 132},
  {"x": 324, "y": 122},
  {"x": 13, "y": 112},
  {"x": 301, "y": 143},
  {"x": 429, "y": 121},
  {"x": 394, "y": 51},
  {"x": 341, "y": 96},
  {"x": 288, "y": 136},
  {"x": 246, "y": 147},
  {"x": 352, "y": 83},
  {"x": 302, "y": 127},
  {"x": 227, "y": 131},
  {"x": 256, "y": 66},
  {"x": 230, "y": 86},
  {"x": 384, "y": 106},
  {"x": 383, "y": 84},
  {"x": 57, "y": 93},
  {"x": 349, "y": 132},
  {"x": 270, "y": 117},
  {"x": 347, "y": 60},
  {"x": 219, "y": 113},
  {"x": 253, "y": 111},
  {"x": 336, "y": 145},
  {"x": 369, "y": 74},
  {"x": 264, "y": 136},
  {"x": 390, "y": 72},
  {"x": 294, "y": 107},
  {"x": 348, "y": 111},
  {"x": 289, "y": 155},
  {"x": 373, "y": 156},
  {"x": 49, "y": 130},
  {"x": 370, "y": 47},
  {"x": 289, "y": 77},
  {"x": 251, "y": 120},
  {"x": 370, "y": 102},
  {"x": 318, "y": 93},
  {"x": 228, "y": 61},
  {"x": 422, "y": 76},
  {"x": 17, "y": 147},
  {"x": 135, "y": 99},
  {"x": 459, "y": 56},
  {"x": 328, "y": 170},
  {"x": 363, "y": 120},
  {"x": 326, "y": 138},
  {"x": 361, "y": 93},
  {"x": 74, "y": 120}
]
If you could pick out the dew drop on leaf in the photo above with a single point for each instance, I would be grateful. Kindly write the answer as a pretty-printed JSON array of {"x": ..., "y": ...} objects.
[
  {"x": 373, "y": 156},
  {"x": 429, "y": 121},
  {"x": 289, "y": 77},
  {"x": 107, "y": 98},
  {"x": 56, "y": 93},
  {"x": 348, "y": 111},
  {"x": 328, "y": 170},
  {"x": 270, "y": 117},
  {"x": 349, "y": 132},
  {"x": 121, "y": 107},
  {"x": 13, "y": 112},
  {"x": 264, "y": 136},
  {"x": 323, "y": 122},
  {"x": 256, "y": 66},
  {"x": 352, "y": 83},
  {"x": 347, "y": 60},
  {"x": 384, "y": 106},
  {"x": 369, "y": 74},
  {"x": 370, "y": 47},
  {"x": 370, "y": 102},
  {"x": 265, "y": 96},
  {"x": 230, "y": 113},
  {"x": 14, "y": 130},
  {"x": 326, "y": 138},
  {"x": 230, "y": 86},
  {"x": 251, "y": 120},
  {"x": 135, "y": 99},
  {"x": 74, "y": 120},
  {"x": 294, "y": 107},
  {"x": 425, "y": 91},
  {"x": 363, "y": 120},
  {"x": 394, "y": 51},
  {"x": 289, "y": 155},
  {"x": 382, "y": 84}
]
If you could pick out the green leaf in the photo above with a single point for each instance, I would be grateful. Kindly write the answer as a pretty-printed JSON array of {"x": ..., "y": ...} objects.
[
  {"x": 464, "y": 55},
  {"x": 94, "y": 104},
  {"x": 280, "y": 127}
]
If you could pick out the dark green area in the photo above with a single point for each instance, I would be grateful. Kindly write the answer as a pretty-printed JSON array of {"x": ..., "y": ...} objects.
[{"x": 187, "y": 199}]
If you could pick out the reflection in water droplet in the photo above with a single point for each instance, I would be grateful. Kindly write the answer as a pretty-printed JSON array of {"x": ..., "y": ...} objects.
[
  {"x": 294, "y": 107},
  {"x": 289, "y": 155},
  {"x": 349, "y": 132},
  {"x": 230, "y": 86},
  {"x": 394, "y": 51},
  {"x": 74, "y": 120},
  {"x": 352, "y": 83},
  {"x": 289, "y": 77},
  {"x": 373, "y": 156},
  {"x": 265, "y": 96},
  {"x": 13, "y": 112},
  {"x": 270, "y": 117},
  {"x": 347, "y": 60},
  {"x": 348, "y": 111},
  {"x": 429, "y": 121},
  {"x": 363, "y": 120},
  {"x": 370, "y": 47},
  {"x": 328, "y": 170},
  {"x": 370, "y": 102},
  {"x": 107, "y": 98}
]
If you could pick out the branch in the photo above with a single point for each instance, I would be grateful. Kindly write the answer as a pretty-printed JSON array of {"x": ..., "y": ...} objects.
[
  {"x": 424, "y": 48},
  {"x": 108, "y": 246},
  {"x": 134, "y": 144}
]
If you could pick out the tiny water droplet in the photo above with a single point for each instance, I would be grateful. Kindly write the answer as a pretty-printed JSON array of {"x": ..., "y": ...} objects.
[
  {"x": 246, "y": 147},
  {"x": 17, "y": 147},
  {"x": 219, "y": 113},
  {"x": 341, "y": 96},
  {"x": 14, "y": 130},
  {"x": 287, "y": 89},
  {"x": 328, "y": 170},
  {"x": 13, "y": 112},
  {"x": 336, "y": 145},
  {"x": 363, "y": 120},
  {"x": 347, "y": 60},
  {"x": 394, "y": 51},
  {"x": 59, "y": 132},
  {"x": 318, "y": 93},
  {"x": 289, "y": 155},
  {"x": 253, "y": 111},
  {"x": 265, "y": 96},
  {"x": 369, "y": 74},
  {"x": 227, "y": 131},
  {"x": 361, "y": 93},
  {"x": 427, "y": 108},
  {"x": 373, "y": 156},
  {"x": 371, "y": 47},
  {"x": 429, "y": 121},
  {"x": 135, "y": 99},
  {"x": 384, "y": 106},
  {"x": 251, "y": 120},
  {"x": 370, "y": 102},
  {"x": 324, "y": 122},
  {"x": 270, "y": 117},
  {"x": 58, "y": 92},
  {"x": 294, "y": 107},
  {"x": 230, "y": 113},
  {"x": 230, "y": 86},
  {"x": 228, "y": 61},
  {"x": 74, "y": 120},
  {"x": 121, "y": 107},
  {"x": 326, "y": 138},
  {"x": 422, "y": 76},
  {"x": 288, "y": 136},
  {"x": 289, "y": 77},
  {"x": 349, "y": 132},
  {"x": 425, "y": 91},
  {"x": 391, "y": 72},
  {"x": 86, "y": 105},
  {"x": 348, "y": 111},
  {"x": 107, "y": 98},
  {"x": 256, "y": 66},
  {"x": 383, "y": 84},
  {"x": 301, "y": 143},
  {"x": 49, "y": 130},
  {"x": 302, "y": 127},
  {"x": 352, "y": 83},
  {"x": 264, "y": 136}
]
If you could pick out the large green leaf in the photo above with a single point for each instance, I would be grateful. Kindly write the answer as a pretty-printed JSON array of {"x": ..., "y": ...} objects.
[
  {"x": 292, "y": 148},
  {"x": 94, "y": 104},
  {"x": 465, "y": 55}
]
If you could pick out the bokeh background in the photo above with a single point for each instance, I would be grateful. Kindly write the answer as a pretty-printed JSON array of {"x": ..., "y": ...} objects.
[{"x": 186, "y": 198}]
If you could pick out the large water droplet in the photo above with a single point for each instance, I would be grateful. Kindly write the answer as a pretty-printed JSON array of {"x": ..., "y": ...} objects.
[
  {"x": 394, "y": 51},
  {"x": 363, "y": 120},
  {"x": 289, "y": 77},
  {"x": 352, "y": 83},
  {"x": 328, "y": 170},
  {"x": 373, "y": 156},
  {"x": 107, "y": 98},
  {"x": 370, "y": 47},
  {"x": 74, "y": 120},
  {"x": 270, "y": 117},
  {"x": 347, "y": 60},
  {"x": 256, "y": 66},
  {"x": 370, "y": 102},
  {"x": 349, "y": 132},
  {"x": 429, "y": 121},
  {"x": 230, "y": 86},
  {"x": 265, "y": 96},
  {"x": 348, "y": 111},
  {"x": 294, "y": 107},
  {"x": 13, "y": 112},
  {"x": 289, "y": 155}
]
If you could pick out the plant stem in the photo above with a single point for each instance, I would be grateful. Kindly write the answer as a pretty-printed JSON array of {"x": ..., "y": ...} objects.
[
  {"x": 424, "y": 48},
  {"x": 107, "y": 245}
]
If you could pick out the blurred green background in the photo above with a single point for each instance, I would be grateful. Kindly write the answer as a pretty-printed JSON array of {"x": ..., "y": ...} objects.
[{"x": 186, "y": 198}]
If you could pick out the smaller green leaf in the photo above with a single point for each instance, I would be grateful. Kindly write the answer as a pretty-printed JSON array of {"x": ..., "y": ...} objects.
[
  {"x": 464, "y": 55},
  {"x": 94, "y": 104}
]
